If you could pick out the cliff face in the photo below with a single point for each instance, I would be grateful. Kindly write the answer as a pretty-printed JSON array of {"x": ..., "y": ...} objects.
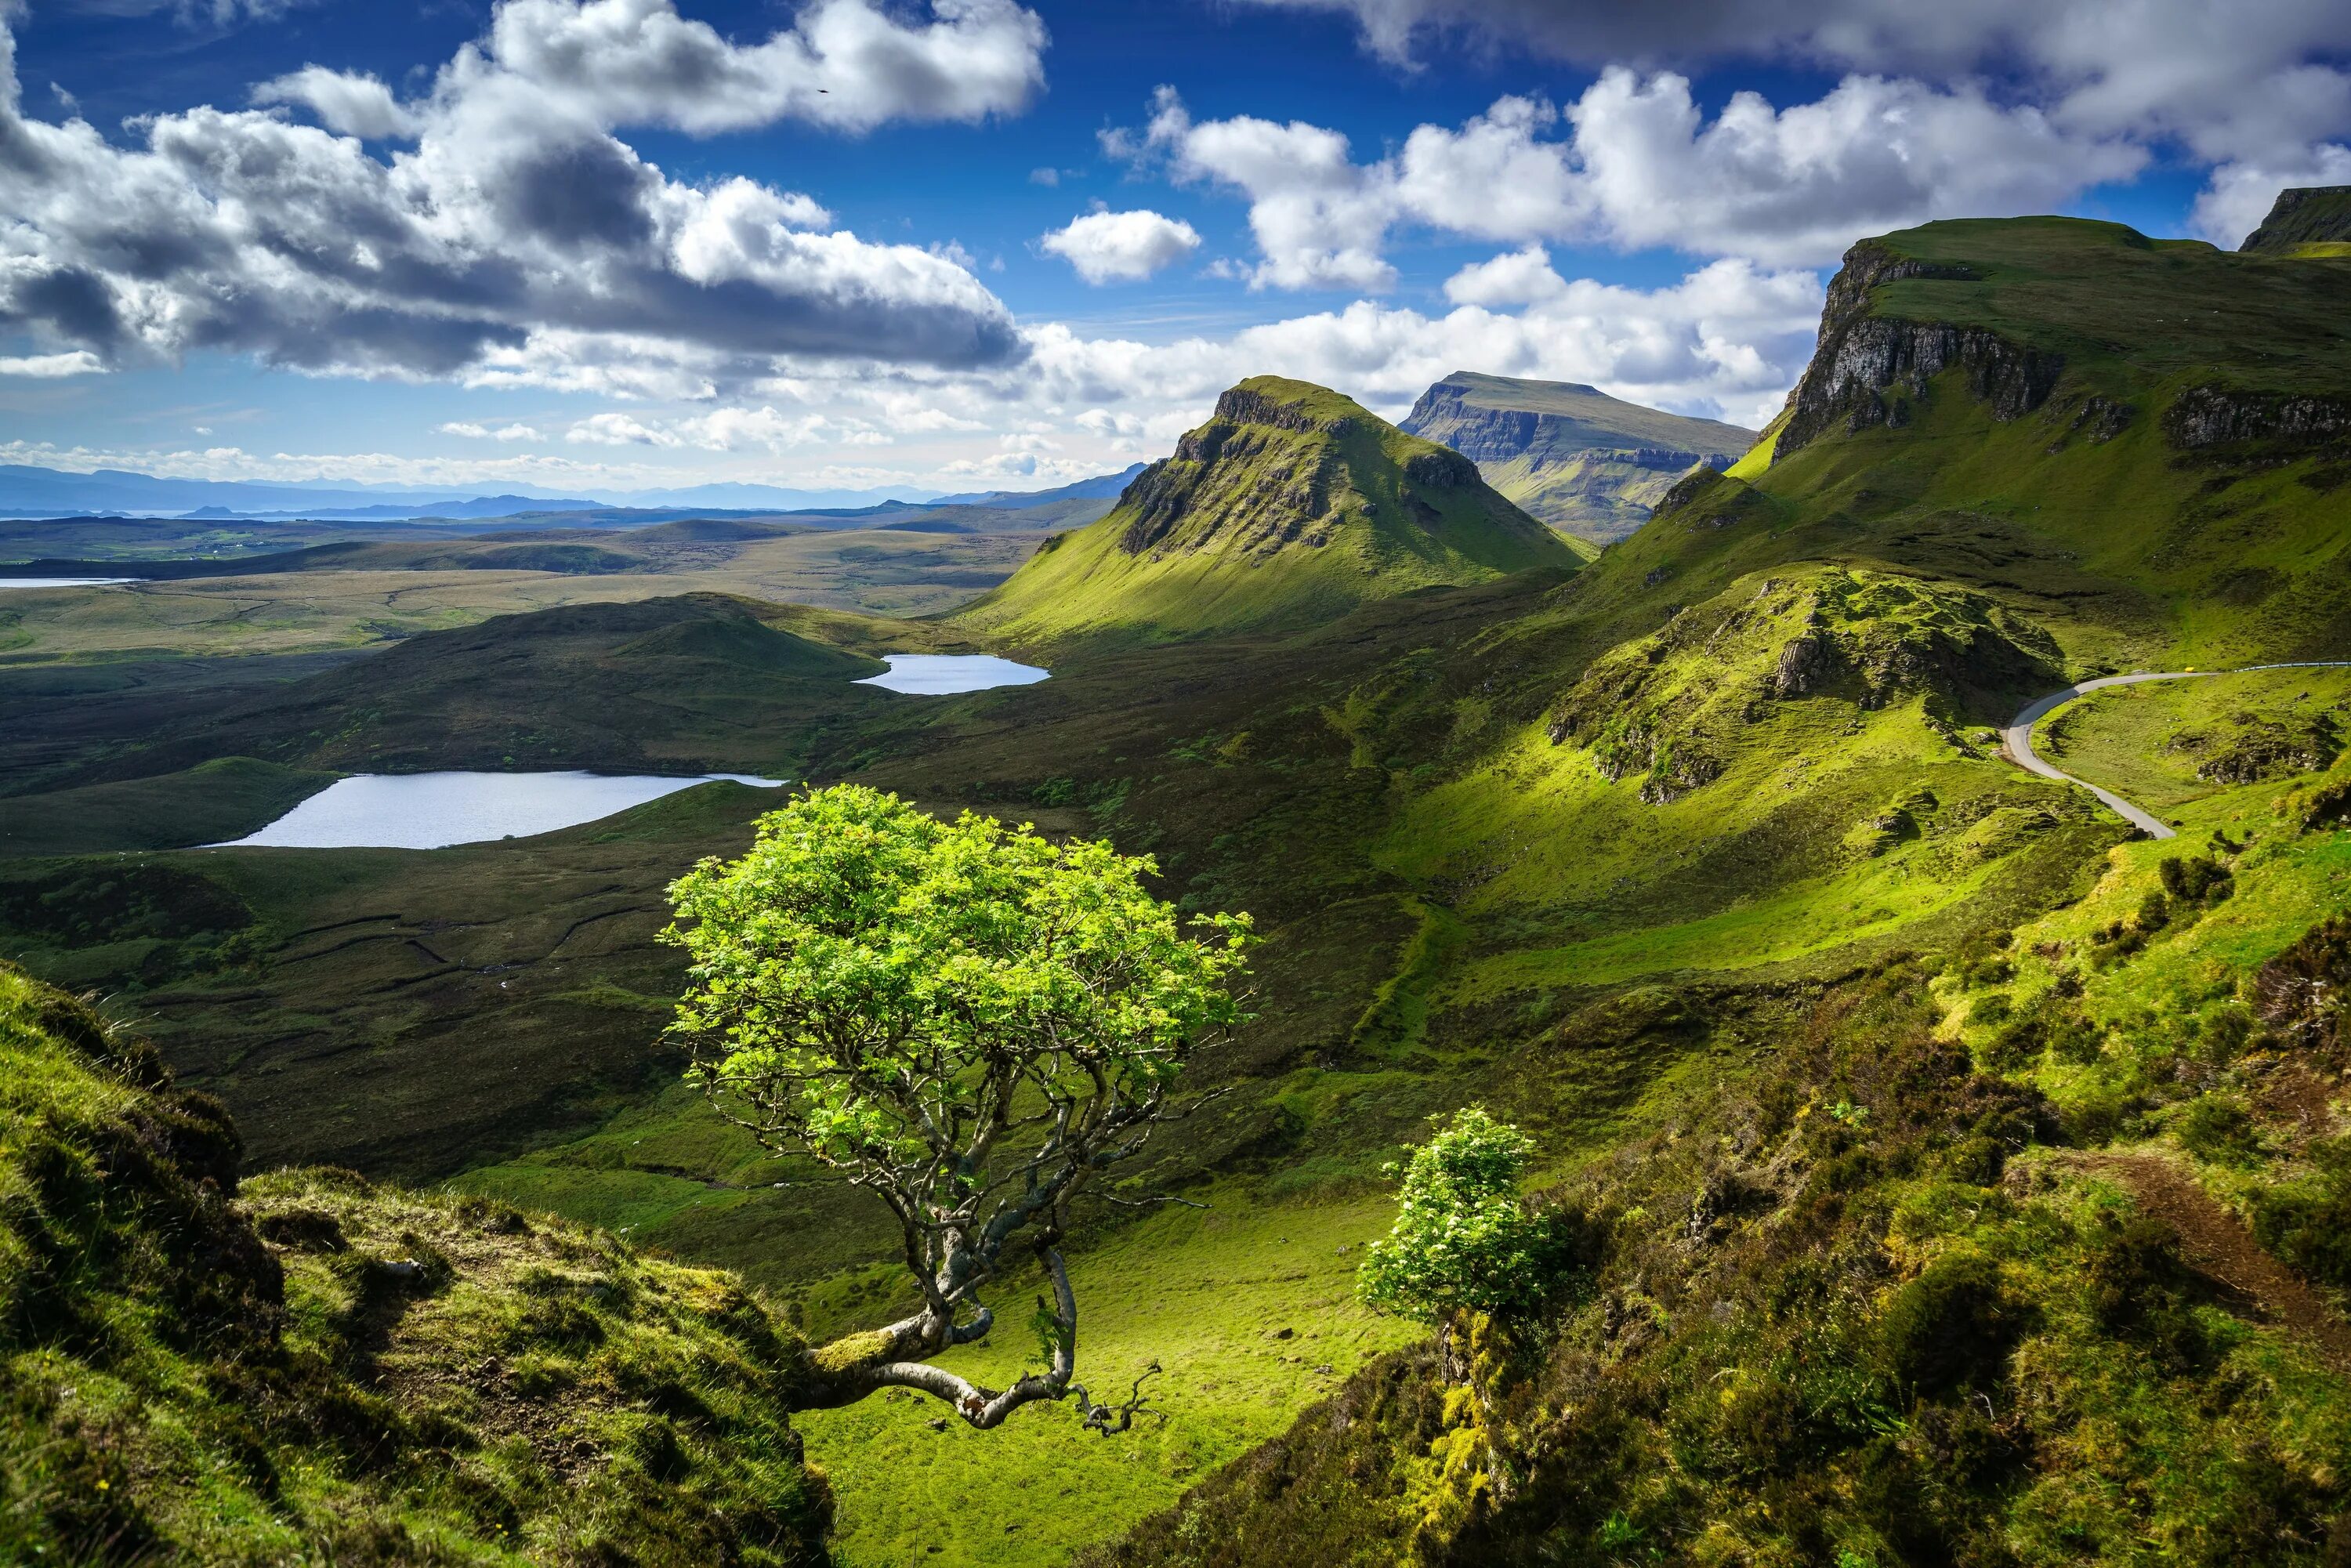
[
  {"x": 2312, "y": 215},
  {"x": 1861, "y": 356},
  {"x": 1582, "y": 461}
]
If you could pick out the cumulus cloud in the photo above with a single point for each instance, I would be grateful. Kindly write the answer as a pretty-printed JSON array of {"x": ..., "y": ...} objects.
[
  {"x": 1635, "y": 163},
  {"x": 49, "y": 367},
  {"x": 1317, "y": 216},
  {"x": 1727, "y": 341},
  {"x": 518, "y": 241},
  {"x": 516, "y": 432},
  {"x": 2251, "y": 87},
  {"x": 1517, "y": 278},
  {"x": 348, "y": 101},
  {"x": 1111, "y": 247},
  {"x": 849, "y": 64}
]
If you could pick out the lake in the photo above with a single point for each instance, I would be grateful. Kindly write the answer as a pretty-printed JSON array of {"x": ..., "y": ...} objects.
[
  {"x": 939, "y": 675},
  {"x": 434, "y": 810},
  {"x": 8, "y": 582}
]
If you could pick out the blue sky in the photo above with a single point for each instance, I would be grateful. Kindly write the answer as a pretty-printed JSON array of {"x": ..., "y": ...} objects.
[{"x": 612, "y": 243}]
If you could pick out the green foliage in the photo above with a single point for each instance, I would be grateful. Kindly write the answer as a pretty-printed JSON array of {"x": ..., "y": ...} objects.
[
  {"x": 2307, "y": 1221},
  {"x": 1464, "y": 1240},
  {"x": 876, "y": 978},
  {"x": 1954, "y": 1324}
]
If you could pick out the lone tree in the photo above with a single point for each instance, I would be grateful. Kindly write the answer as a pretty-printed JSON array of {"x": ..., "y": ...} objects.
[
  {"x": 967, "y": 1020},
  {"x": 1463, "y": 1241}
]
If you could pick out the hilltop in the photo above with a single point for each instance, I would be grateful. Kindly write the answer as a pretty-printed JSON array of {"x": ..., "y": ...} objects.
[
  {"x": 1288, "y": 508},
  {"x": 1590, "y": 466}
]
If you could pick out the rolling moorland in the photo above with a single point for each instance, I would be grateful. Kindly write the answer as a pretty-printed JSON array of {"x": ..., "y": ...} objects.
[{"x": 1950, "y": 1177}]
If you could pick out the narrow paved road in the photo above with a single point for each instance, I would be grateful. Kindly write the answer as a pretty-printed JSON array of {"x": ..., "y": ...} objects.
[{"x": 2018, "y": 733}]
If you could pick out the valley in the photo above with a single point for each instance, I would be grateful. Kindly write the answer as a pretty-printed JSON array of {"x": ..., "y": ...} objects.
[{"x": 1696, "y": 856}]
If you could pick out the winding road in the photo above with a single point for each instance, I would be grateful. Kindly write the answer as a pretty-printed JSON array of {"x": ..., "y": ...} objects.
[{"x": 2016, "y": 736}]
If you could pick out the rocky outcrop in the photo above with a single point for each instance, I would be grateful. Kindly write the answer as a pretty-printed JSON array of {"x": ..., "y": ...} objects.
[
  {"x": 2311, "y": 214},
  {"x": 1440, "y": 469},
  {"x": 1246, "y": 405},
  {"x": 2211, "y": 416},
  {"x": 1860, "y": 356}
]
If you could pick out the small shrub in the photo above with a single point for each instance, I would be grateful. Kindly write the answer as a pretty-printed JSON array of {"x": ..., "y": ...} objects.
[
  {"x": 1463, "y": 1240},
  {"x": 2217, "y": 1127},
  {"x": 1952, "y": 1325},
  {"x": 1980, "y": 1160},
  {"x": 2308, "y": 1222}
]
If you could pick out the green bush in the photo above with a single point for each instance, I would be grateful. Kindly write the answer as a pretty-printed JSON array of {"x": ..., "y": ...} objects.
[
  {"x": 1463, "y": 1240},
  {"x": 2308, "y": 1222},
  {"x": 1952, "y": 1326}
]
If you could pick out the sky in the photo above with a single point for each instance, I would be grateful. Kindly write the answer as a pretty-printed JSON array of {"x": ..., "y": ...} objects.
[{"x": 612, "y": 244}]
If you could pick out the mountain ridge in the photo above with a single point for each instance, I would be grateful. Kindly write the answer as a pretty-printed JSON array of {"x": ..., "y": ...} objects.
[
  {"x": 1589, "y": 464},
  {"x": 1289, "y": 507}
]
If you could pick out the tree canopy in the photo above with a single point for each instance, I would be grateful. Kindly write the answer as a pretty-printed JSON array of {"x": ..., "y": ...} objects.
[
  {"x": 1463, "y": 1239},
  {"x": 969, "y": 1020}
]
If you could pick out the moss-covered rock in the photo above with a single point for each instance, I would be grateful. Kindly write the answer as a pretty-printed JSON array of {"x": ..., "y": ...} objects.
[{"x": 313, "y": 1367}]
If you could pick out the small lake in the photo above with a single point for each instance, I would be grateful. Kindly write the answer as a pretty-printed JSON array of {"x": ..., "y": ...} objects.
[
  {"x": 8, "y": 582},
  {"x": 434, "y": 810},
  {"x": 939, "y": 675}
]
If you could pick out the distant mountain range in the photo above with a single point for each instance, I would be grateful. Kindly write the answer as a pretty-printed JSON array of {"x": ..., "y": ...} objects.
[
  {"x": 1585, "y": 463},
  {"x": 32, "y": 492}
]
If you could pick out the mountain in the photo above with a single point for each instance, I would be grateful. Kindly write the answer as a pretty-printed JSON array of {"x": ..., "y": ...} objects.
[
  {"x": 32, "y": 492},
  {"x": 2150, "y": 435},
  {"x": 1585, "y": 463},
  {"x": 2311, "y": 217},
  {"x": 1099, "y": 488},
  {"x": 741, "y": 497},
  {"x": 1289, "y": 508}
]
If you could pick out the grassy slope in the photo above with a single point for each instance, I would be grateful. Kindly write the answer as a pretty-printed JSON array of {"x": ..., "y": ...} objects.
[
  {"x": 322, "y": 1369},
  {"x": 1363, "y": 791},
  {"x": 1252, "y": 548},
  {"x": 209, "y": 803}
]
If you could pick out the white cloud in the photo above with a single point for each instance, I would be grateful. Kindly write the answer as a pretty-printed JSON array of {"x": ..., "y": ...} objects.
[
  {"x": 621, "y": 430},
  {"x": 1108, "y": 247},
  {"x": 2241, "y": 194},
  {"x": 2251, "y": 86},
  {"x": 1517, "y": 278},
  {"x": 1318, "y": 218},
  {"x": 517, "y": 242},
  {"x": 516, "y": 432},
  {"x": 345, "y": 101},
  {"x": 849, "y": 64},
  {"x": 49, "y": 367},
  {"x": 1638, "y": 166}
]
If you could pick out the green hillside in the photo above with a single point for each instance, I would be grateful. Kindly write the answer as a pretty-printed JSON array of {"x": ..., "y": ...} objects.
[
  {"x": 311, "y": 1368},
  {"x": 2304, "y": 221},
  {"x": 1290, "y": 507},
  {"x": 1843, "y": 1037},
  {"x": 1591, "y": 466},
  {"x": 698, "y": 680}
]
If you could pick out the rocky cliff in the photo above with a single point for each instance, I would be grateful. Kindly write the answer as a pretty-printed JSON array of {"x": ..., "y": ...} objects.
[
  {"x": 1584, "y": 461},
  {"x": 2311, "y": 215},
  {"x": 1863, "y": 355}
]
